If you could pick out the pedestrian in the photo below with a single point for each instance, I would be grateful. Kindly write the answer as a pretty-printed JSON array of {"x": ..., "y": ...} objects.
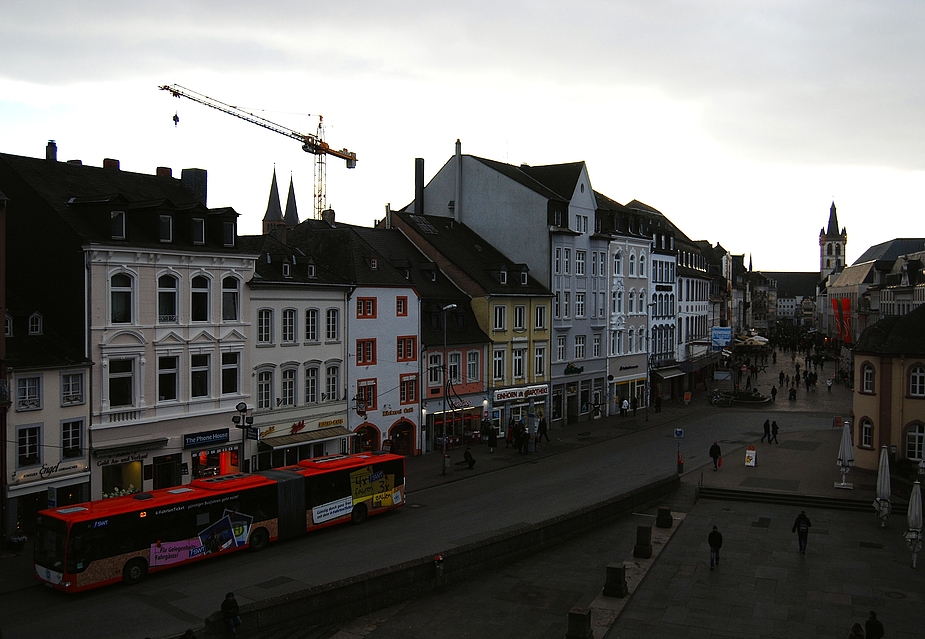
[
  {"x": 774, "y": 430},
  {"x": 828, "y": 383},
  {"x": 624, "y": 408},
  {"x": 543, "y": 430},
  {"x": 467, "y": 456},
  {"x": 873, "y": 628},
  {"x": 748, "y": 382},
  {"x": 232, "y": 613},
  {"x": 492, "y": 432},
  {"x": 510, "y": 434},
  {"x": 780, "y": 379},
  {"x": 635, "y": 405},
  {"x": 715, "y": 539},
  {"x": 801, "y": 528},
  {"x": 658, "y": 404},
  {"x": 716, "y": 454},
  {"x": 767, "y": 430},
  {"x": 774, "y": 393},
  {"x": 856, "y": 631}
]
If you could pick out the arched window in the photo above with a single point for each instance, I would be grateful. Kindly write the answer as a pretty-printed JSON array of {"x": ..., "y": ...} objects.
[
  {"x": 167, "y": 299},
  {"x": 915, "y": 441},
  {"x": 632, "y": 265},
  {"x": 632, "y": 342},
  {"x": 264, "y": 389},
  {"x": 631, "y": 302},
  {"x": 120, "y": 287},
  {"x": 917, "y": 382},
  {"x": 618, "y": 263},
  {"x": 230, "y": 299},
  {"x": 866, "y": 434},
  {"x": 199, "y": 299},
  {"x": 867, "y": 378},
  {"x": 642, "y": 265}
]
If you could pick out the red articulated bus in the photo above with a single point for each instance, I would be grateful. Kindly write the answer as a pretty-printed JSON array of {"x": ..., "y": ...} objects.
[{"x": 124, "y": 538}]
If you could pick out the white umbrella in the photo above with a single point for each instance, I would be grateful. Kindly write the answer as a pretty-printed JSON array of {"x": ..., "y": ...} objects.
[
  {"x": 882, "y": 503},
  {"x": 845, "y": 454},
  {"x": 914, "y": 519}
]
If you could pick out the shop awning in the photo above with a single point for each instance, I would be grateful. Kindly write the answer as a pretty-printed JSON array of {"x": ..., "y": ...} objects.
[
  {"x": 115, "y": 449},
  {"x": 320, "y": 435},
  {"x": 668, "y": 373}
]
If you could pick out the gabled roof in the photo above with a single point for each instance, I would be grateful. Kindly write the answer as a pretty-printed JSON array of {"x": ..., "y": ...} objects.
[
  {"x": 855, "y": 274},
  {"x": 892, "y": 249},
  {"x": 794, "y": 284},
  {"x": 272, "y": 254},
  {"x": 895, "y": 335},
  {"x": 548, "y": 181}
]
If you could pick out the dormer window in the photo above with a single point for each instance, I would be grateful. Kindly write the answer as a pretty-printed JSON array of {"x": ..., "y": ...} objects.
[
  {"x": 432, "y": 275},
  {"x": 199, "y": 230},
  {"x": 523, "y": 278},
  {"x": 166, "y": 228},
  {"x": 311, "y": 270},
  {"x": 35, "y": 324},
  {"x": 228, "y": 233},
  {"x": 8, "y": 326},
  {"x": 502, "y": 276},
  {"x": 287, "y": 269},
  {"x": 374, "y": 263},
  {"x": 117, "y": 220}
]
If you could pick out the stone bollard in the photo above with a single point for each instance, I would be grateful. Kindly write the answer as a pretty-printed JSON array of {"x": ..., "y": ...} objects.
[
  {"x": 579, "y": 624},
  {"x": 615, "y": 586},
  {"x": 664, "y": 520},
  {"x": 643, "y": 547}
]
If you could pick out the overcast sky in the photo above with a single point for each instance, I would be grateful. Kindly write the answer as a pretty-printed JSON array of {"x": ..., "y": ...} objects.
[{"x": 740, "y": 121}]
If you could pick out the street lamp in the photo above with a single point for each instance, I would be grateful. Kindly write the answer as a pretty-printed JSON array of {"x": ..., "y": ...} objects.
[
  {"x": 446, "y": 381},
  {"x": 242, "y": 421}
]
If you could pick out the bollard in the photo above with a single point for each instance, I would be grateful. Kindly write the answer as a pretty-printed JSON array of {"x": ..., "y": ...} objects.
[
  {"x": 579, "y": 624},
  {"x": 643, "y": 547},
  {"x": 664, "y": 519},
  {"x": 615, "y": 586}
]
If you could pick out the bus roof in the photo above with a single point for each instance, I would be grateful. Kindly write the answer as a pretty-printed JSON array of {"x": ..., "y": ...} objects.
[{"x": 341, "y": 462}]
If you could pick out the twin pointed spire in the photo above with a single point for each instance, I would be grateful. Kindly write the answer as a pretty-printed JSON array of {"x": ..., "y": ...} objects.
[
  {"x": 274, "y": 216},
  {"x": 832, "y": 229}
]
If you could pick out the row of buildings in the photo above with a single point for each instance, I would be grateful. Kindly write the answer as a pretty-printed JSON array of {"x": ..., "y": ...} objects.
[{"x": 147, "y": 343}]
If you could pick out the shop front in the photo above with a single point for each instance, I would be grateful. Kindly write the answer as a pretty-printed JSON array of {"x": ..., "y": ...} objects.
[
  {"x": 667, "y": 383},
  {"x": 461, "y": 426},
  {"x": 628, "y": 382},
  {"x": 277, "y": 449},
  {"x": 122, "y": 469},
  {"x": 211, "y": 454},
  {"x": 47, "y": 487},
  {"x": 527, "y": 404}
]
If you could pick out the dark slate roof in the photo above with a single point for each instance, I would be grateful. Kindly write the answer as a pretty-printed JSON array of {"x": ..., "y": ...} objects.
[
  {"x": 832, "y": 229},
  {"x": 892, "y": 249},
  {"x": 895, "y": 335},
  {"x": 560, "y": 178},
  {"x": 48, "y": 350},
  {"x": 269, "y": 272},
  {"x": 794, "y": 284},
  {"x": 474, "y": 255},
  {"x": 531, "y": 179}
]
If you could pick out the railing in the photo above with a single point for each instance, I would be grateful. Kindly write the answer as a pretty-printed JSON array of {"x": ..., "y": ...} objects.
[{"x": 123, "y": 416}]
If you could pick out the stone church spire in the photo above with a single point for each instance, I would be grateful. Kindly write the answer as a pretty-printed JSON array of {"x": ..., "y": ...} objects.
[
  {"x": 832, "y": 245},
  {"x": 274, "y": 215},
  {"x": 292, "y": 211}
]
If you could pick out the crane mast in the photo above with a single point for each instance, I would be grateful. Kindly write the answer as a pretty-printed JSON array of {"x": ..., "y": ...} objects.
[{"x": 313, "y": 144}]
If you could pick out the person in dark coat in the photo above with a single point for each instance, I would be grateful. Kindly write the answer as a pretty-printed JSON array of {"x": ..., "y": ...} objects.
[
  {"x": 469, "y": 458},
  {"x": 543, "y": 430},
  {"x": 715, "y": 453},
  {"x": 715, "y": 539},
  {"x": 873, "y": 628},
  {"x": 767, "y": 430},
  {"x": 510, "y": 435},
  {"x": 232, "y": 613},
  {"x": 801, "y": 527},
  {"x": 774, "y": 430},
  {"x": 774, "y": 393},
  {"x": 492, "y": 436}
]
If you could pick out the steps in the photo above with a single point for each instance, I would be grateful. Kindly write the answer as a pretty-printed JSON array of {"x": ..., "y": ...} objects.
[{"x": 789, "y": 499}]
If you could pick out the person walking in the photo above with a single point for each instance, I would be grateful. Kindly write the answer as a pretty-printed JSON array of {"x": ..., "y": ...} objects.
[
  {"x": 543, "y": 430},
  {"x": 624, "y": 408},
  {"x": 774, "y": 429},
  {"x": 232, "y": 613},
  {"x": 510, "y": 434},
  {"x": 658, "y": 404},
  {"x": 715, "y": 453},
  {"x": 801, "y": 527},
  {"x": 774, "y": 393},
  {"x": 715, "y": 539},
  {"x": 635, "y": 405},
  {"x": 873, "y": 628},
  {"x": 492, "y": 435},
  {"x": 767, "y": 430},
  {"x": 829, "y": 383}
]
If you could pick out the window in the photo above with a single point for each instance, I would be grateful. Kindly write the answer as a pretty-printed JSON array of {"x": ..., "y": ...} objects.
[
  {"x": 230, "y": 299},
  {"x": 915, "y": 441},
  {"x": 867, "y": 378},
  {"x": 408, "y": 386},
  {"x": 288, "y": 335},
  {"x": 579, "y": 262},
  {"x": 199, "y": 375},
  {"x": 502, "y": 276},
  {"x": 332, "y": 331},
  {"x": 287, "y": 269},
  {"x": 579, "y": 347},
  {"x": 497, "y": 365},
  {"x": 287, "y": 392},
  {"x": 228, "y": 233},
  {"x": 366, "y": 352},
  {"x": 540, "y": 317},
  {"x": 867, "y": 434},
  {"x": 520, "y": 318},
  {"x": 120, "y": 286},
  {"x": 558, "y": 260},
  {"x": 311, "y": 385},
  {"x": 199, "y": 230},
  {"x": 29, "y": 393},
  {"x": 631, "y": 347},
  {"x": 596, "y": 346},
  {"x": 917, "y": 382},
  {"x": 594, "y": 263},
  {"x": 556, "y": 305},
  {"x": 473, "y": 366},
  {"x": 166, "y": 378},
  {"x": 121, "y": 382},
  {"x": 523, "y": 278},
  {"x": 618, "y": 264},
  {"x": 35, "y": 324},
  {"x": 117, "y": 224},
  {"x": 560, "y": 348},
  {"x": 265, "y": 326},
  {"x": 8, "y": 326},
  {"x": 264, "y": 389},
  {"x": 579, "y": 304},
  {"x": 517, "y": 362},
  {"x": 366, "y": 308},
  {"x": 406, "y": 349},
  {"x": 642, "y": 265},
  {"x": 230, "y": 373},
  {"x": 568, "y": 298},
  {"x": 311, "y": 325},
  {"x": 167, "y": 312},
  {"x": 434, "y": 369},
  {"x": 366, "y": 393},
  {"x": 72, "y": 389},
  {"x": 566, "y": 261},
  {"x": 166, "y": 228},
  {"x": 500, "y": 317},
  {"x": 27, "y": 446},
  {"x": 401, "y": 306},
  {"x": 539, "y": 361},
  {"x": 454, "y": 363},
  {"x": 332, "y": 383},
  {"x": 199, "y": 300},
  {"x": 71, "y": 434},
  {"x": 631, "y": 302},
  {"x": 632, "y": 265}
]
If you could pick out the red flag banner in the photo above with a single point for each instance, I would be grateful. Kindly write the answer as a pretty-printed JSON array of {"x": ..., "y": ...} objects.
[
  {"x": 846, "y": 319},
  {"x": 836, "y": 310}
]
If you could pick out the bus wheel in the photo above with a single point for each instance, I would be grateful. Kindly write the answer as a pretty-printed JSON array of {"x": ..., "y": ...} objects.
[
  {"x": 259, "y": 539},
  {"x": 134, "y": 571},
  {"x": 358, "y": 516}
]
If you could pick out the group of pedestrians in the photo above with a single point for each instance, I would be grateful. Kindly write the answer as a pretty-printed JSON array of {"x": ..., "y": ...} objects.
[{"x": 770, "y": 431}]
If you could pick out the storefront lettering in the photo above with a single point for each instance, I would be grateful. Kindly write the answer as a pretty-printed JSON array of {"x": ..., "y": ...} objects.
[
  {"x": 521, "y": 393},
  {"x": 626, "y": 368},
  {"x": 132, "y": 457},
  {"x": 330, "y": 422},
  {"x": 386, "y": 413},
  {"x": 297, "y": 427},
  {"x": 194, "y": 440}
]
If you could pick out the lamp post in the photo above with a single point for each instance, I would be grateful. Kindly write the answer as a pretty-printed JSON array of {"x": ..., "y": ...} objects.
[
  {"x": 446, "y": 381},
  {"x": 242, "y": 421}
]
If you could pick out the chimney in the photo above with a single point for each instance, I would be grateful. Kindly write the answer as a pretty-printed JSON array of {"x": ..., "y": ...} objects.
[
  {"x": 328, "y": 216},
  {"x": 51, "y": 151},
  {"x": 195, "y": 181},
  {"x": 109, "y": 163},
  {"x": 457, "y": 208},
  {"x": 164, "y": 171},
  {"x": 419, "y": 186}
]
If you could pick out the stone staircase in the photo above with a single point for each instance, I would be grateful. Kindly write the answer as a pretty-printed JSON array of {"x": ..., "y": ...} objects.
[{"x": 790, "y": 499}]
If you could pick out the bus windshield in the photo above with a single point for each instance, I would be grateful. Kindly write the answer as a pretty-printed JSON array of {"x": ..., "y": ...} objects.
[{"x": 50, "y": 538}]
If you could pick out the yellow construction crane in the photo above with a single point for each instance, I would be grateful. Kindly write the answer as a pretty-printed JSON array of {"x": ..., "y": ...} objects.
[{"x": 314, "y": 144}]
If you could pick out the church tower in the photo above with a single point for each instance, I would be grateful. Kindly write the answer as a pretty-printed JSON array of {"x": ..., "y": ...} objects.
[{"x": 832, "y": 246}]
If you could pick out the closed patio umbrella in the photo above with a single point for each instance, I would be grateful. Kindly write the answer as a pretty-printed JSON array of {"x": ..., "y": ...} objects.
[
  {"x": 882, "y": 502},
  {"x": 914, "y": 519},
  {"x": 845, "y": 454}
]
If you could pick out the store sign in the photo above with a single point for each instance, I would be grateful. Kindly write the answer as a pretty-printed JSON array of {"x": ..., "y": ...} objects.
[
  {"x": 521, "y": 393},
  {"x": 205, "y": 438},
  {"x": 721, "y": 336}
]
